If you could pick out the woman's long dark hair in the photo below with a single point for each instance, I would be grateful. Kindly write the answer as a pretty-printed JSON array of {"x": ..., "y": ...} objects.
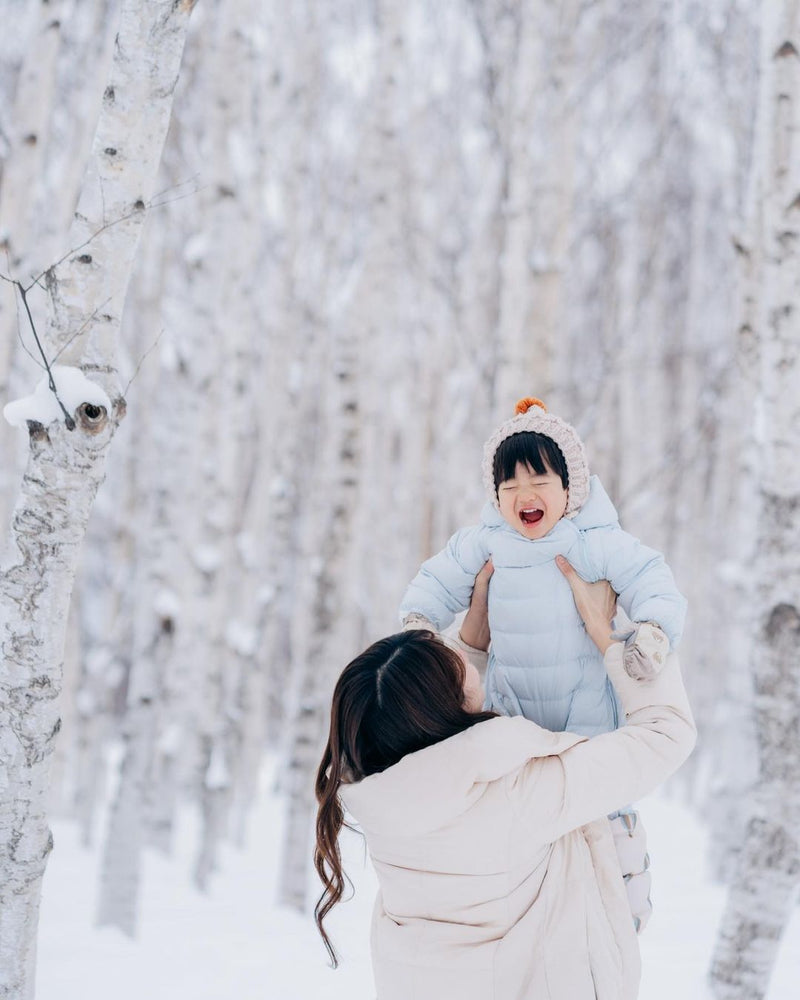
[{"x": 404, "y": 693}]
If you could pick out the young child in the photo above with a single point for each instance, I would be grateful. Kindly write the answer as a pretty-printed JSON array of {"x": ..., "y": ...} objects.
[{"x": 542, "y": 664}]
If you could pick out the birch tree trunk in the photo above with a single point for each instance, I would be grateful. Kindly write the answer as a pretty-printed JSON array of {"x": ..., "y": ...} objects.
[
  {"x": 725, "y": 552},
  {"x": 288, "y": 404},
  {"x": 325, "y": 610},
  {"x": 182, "y": 668},
  {"x": 32, "y": 194},
  {"x": 319, "y": 628},
  {"x": 86, "y": 294},
  {"x": 538, "y": 149},
  {"x": 765, "y": 885},
  {"x": 157, "y": 618}
]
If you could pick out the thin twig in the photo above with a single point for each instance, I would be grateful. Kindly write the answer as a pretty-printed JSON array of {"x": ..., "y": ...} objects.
[
  {"x": 174, "y": 187},
  {"x": 39, "y": 285},
  {"x": 67, "y": 417},
  {"x": 22, "y": 343},
  {"x": 86, "y": 242},
  {"x": 79, "y": 331},
  {"x": 178, "y": 197},
  {"x": 108, "y": 225},
  {"x": 142, "y": 360}
]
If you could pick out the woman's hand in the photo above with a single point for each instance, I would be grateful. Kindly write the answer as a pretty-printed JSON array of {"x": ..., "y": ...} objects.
[
  {"x": 475, "y": 627},
  {"x": 596, "y": 604}
]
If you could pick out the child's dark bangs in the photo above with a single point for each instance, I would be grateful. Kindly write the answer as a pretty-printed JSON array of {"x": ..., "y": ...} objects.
[{"x": 537, "y": 451}]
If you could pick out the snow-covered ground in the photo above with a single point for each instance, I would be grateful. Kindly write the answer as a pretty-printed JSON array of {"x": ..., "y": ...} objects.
[{"x": 235, "y": 944}]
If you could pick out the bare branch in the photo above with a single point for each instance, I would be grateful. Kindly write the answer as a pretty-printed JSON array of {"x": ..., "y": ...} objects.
[{"x": 144, "y": 358}]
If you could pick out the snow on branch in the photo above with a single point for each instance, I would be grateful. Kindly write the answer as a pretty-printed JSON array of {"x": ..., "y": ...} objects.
[{"x": 73, "y": 388}]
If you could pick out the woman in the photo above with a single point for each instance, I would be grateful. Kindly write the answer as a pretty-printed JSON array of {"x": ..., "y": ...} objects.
[{"x": 497, "y": 872}]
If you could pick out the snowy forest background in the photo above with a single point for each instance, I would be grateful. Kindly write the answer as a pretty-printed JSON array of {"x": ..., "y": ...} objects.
[{"x": 376, "y": 225}]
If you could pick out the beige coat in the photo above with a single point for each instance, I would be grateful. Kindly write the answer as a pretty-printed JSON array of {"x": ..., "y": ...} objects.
[{"x": 498, "y": 875}]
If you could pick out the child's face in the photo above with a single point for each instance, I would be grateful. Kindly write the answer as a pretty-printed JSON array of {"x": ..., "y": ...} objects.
[{"x": 531, "y": 503}]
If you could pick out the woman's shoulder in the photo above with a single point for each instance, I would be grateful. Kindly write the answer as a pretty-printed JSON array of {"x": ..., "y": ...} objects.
[{"x": 508, "y": 743}]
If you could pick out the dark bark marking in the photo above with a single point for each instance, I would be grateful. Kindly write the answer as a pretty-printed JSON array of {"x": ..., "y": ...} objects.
[
  {"x": 785, "y": 50},
  {"x": 37, "y": 431}
]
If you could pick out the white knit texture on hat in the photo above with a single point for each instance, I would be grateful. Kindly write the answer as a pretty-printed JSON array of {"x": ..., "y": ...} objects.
[{"x": 565, "y": 436}]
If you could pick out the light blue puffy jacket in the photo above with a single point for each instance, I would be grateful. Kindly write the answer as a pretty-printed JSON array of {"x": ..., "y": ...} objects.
[{"x": 542, "y": 663}]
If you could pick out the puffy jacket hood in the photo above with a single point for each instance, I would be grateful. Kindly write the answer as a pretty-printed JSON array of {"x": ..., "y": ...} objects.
[
  {"x": 462, "y": 766},
  {"x": 597, "y": 512}
]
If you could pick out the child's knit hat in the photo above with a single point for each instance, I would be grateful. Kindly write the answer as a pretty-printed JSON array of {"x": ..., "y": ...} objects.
[{"x": 531, "y": 415}]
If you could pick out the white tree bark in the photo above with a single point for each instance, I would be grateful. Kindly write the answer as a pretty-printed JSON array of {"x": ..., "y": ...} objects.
[
  {"x": 26, "y": 136},
  {"x": 729, "y": 462},
  {"x": 51, "y": 102},
  {"x": 49, "y": 522},
  {"x": 539, "y": 134},
  {"x": 354, "y": 313},
  {"x": 306, "y": 267},
  {"x": 86, "y": 292},
  {"x": 328, "y": 605},
  {"x": 179, "y": 724},
  {"x": 145, "y": 794},
  {"x": 232, "y": 676},
  {"x": 765, "y": 885}
]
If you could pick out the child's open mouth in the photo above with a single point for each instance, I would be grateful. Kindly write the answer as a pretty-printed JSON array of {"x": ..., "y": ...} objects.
[{"x": 531, "y": 515}]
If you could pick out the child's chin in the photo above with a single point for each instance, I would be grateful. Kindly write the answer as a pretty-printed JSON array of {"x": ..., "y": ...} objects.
[
  {"x": 533, "y": 531},
  {"x": 529, "y": 531}
]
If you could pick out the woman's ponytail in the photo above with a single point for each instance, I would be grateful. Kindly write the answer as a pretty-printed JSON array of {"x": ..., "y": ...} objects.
[{"x": 327, "y": 856}]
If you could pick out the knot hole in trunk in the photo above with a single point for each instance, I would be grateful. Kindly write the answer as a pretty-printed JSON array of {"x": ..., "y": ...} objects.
[{"x": 92, "y": 418}]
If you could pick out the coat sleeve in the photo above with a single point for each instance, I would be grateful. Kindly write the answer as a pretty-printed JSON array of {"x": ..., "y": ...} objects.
[
  {"x": 641, "y": 577},
  {"x": 594, "y": 777},
  {"x": 443, "y": 586}
]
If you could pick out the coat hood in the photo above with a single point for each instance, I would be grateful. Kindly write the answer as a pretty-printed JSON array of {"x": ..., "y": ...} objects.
[
  {"x": 598, "y": 511},
  {"x": 434, "y": 786}
]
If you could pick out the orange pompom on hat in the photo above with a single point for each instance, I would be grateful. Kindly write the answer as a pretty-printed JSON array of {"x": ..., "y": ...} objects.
[{"x": 531, "y": 415}]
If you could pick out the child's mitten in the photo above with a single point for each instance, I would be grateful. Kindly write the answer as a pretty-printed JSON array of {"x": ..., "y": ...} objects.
[
  {"x": 646, "y": 648},
  {"x": 415, "y": 620}
]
